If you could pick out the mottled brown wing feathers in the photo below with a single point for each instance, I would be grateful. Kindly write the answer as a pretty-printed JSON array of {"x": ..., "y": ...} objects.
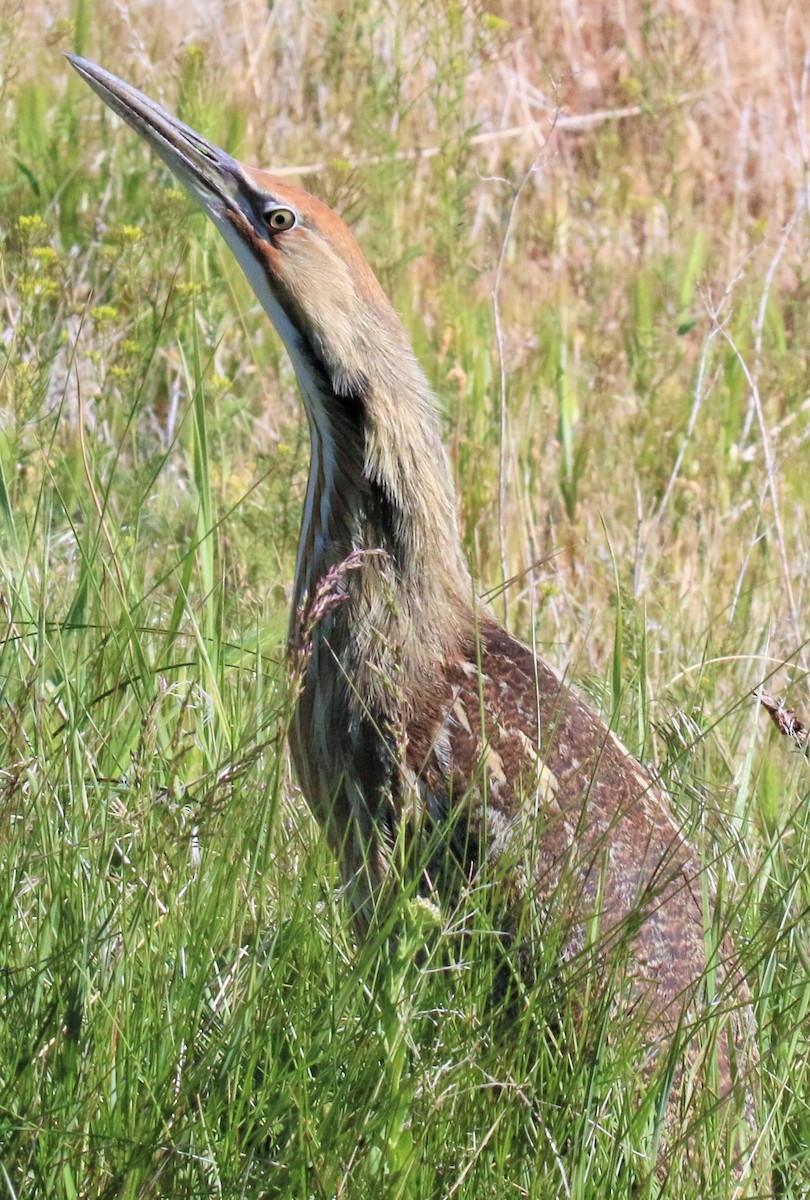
[{"x": 541, "y": 779}]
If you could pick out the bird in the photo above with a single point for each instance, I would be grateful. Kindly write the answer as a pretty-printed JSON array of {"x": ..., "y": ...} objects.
[{"x": 418, "y": 715}]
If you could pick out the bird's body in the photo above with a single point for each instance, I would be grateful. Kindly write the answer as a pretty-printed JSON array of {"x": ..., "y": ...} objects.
[{"x": 415, "y": 710}]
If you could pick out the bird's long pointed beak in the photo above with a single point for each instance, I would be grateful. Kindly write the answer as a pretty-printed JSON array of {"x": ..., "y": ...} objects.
[{"x": 209, "y": 173}]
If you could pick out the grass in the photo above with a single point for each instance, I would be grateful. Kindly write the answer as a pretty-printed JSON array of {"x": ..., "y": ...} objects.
[{"x": 183, "y": 1010}]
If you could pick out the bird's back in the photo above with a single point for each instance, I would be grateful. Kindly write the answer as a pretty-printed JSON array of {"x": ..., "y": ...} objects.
[{"x": 533, "y": 785}]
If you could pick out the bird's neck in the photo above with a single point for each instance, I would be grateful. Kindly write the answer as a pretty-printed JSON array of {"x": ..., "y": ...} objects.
[{"x": 381, "y": 583}]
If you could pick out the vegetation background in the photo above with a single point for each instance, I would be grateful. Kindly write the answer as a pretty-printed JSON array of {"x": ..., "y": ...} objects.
[{"x": 594, "y": 219}]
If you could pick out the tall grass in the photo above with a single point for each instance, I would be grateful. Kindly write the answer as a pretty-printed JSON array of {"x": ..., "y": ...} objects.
[{"x": 183, "y": 1010}]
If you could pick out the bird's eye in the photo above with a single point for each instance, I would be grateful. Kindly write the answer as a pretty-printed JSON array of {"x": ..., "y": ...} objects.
[{"x": 279, "y": 219}]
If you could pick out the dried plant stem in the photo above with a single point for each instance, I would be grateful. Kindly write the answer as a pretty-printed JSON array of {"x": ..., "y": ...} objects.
[
  {"x": 517, "y": 191},
  {"x": 773, "y": 487}
]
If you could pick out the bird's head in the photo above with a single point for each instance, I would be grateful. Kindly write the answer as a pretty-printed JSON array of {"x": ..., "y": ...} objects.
[{"x": 302, "y": 261}]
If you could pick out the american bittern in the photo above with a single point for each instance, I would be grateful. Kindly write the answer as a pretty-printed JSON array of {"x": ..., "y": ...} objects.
[{"x": 416, "y": 708}]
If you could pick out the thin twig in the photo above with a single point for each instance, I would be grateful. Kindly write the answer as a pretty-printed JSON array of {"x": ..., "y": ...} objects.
[
  {"x": 762, "y": 308},
  {"x": 575, "y": 123},
  {"x": 496, "y": 312},
  {"x": 770, "y": 476},
  {"x": 700, "y": 393}
]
